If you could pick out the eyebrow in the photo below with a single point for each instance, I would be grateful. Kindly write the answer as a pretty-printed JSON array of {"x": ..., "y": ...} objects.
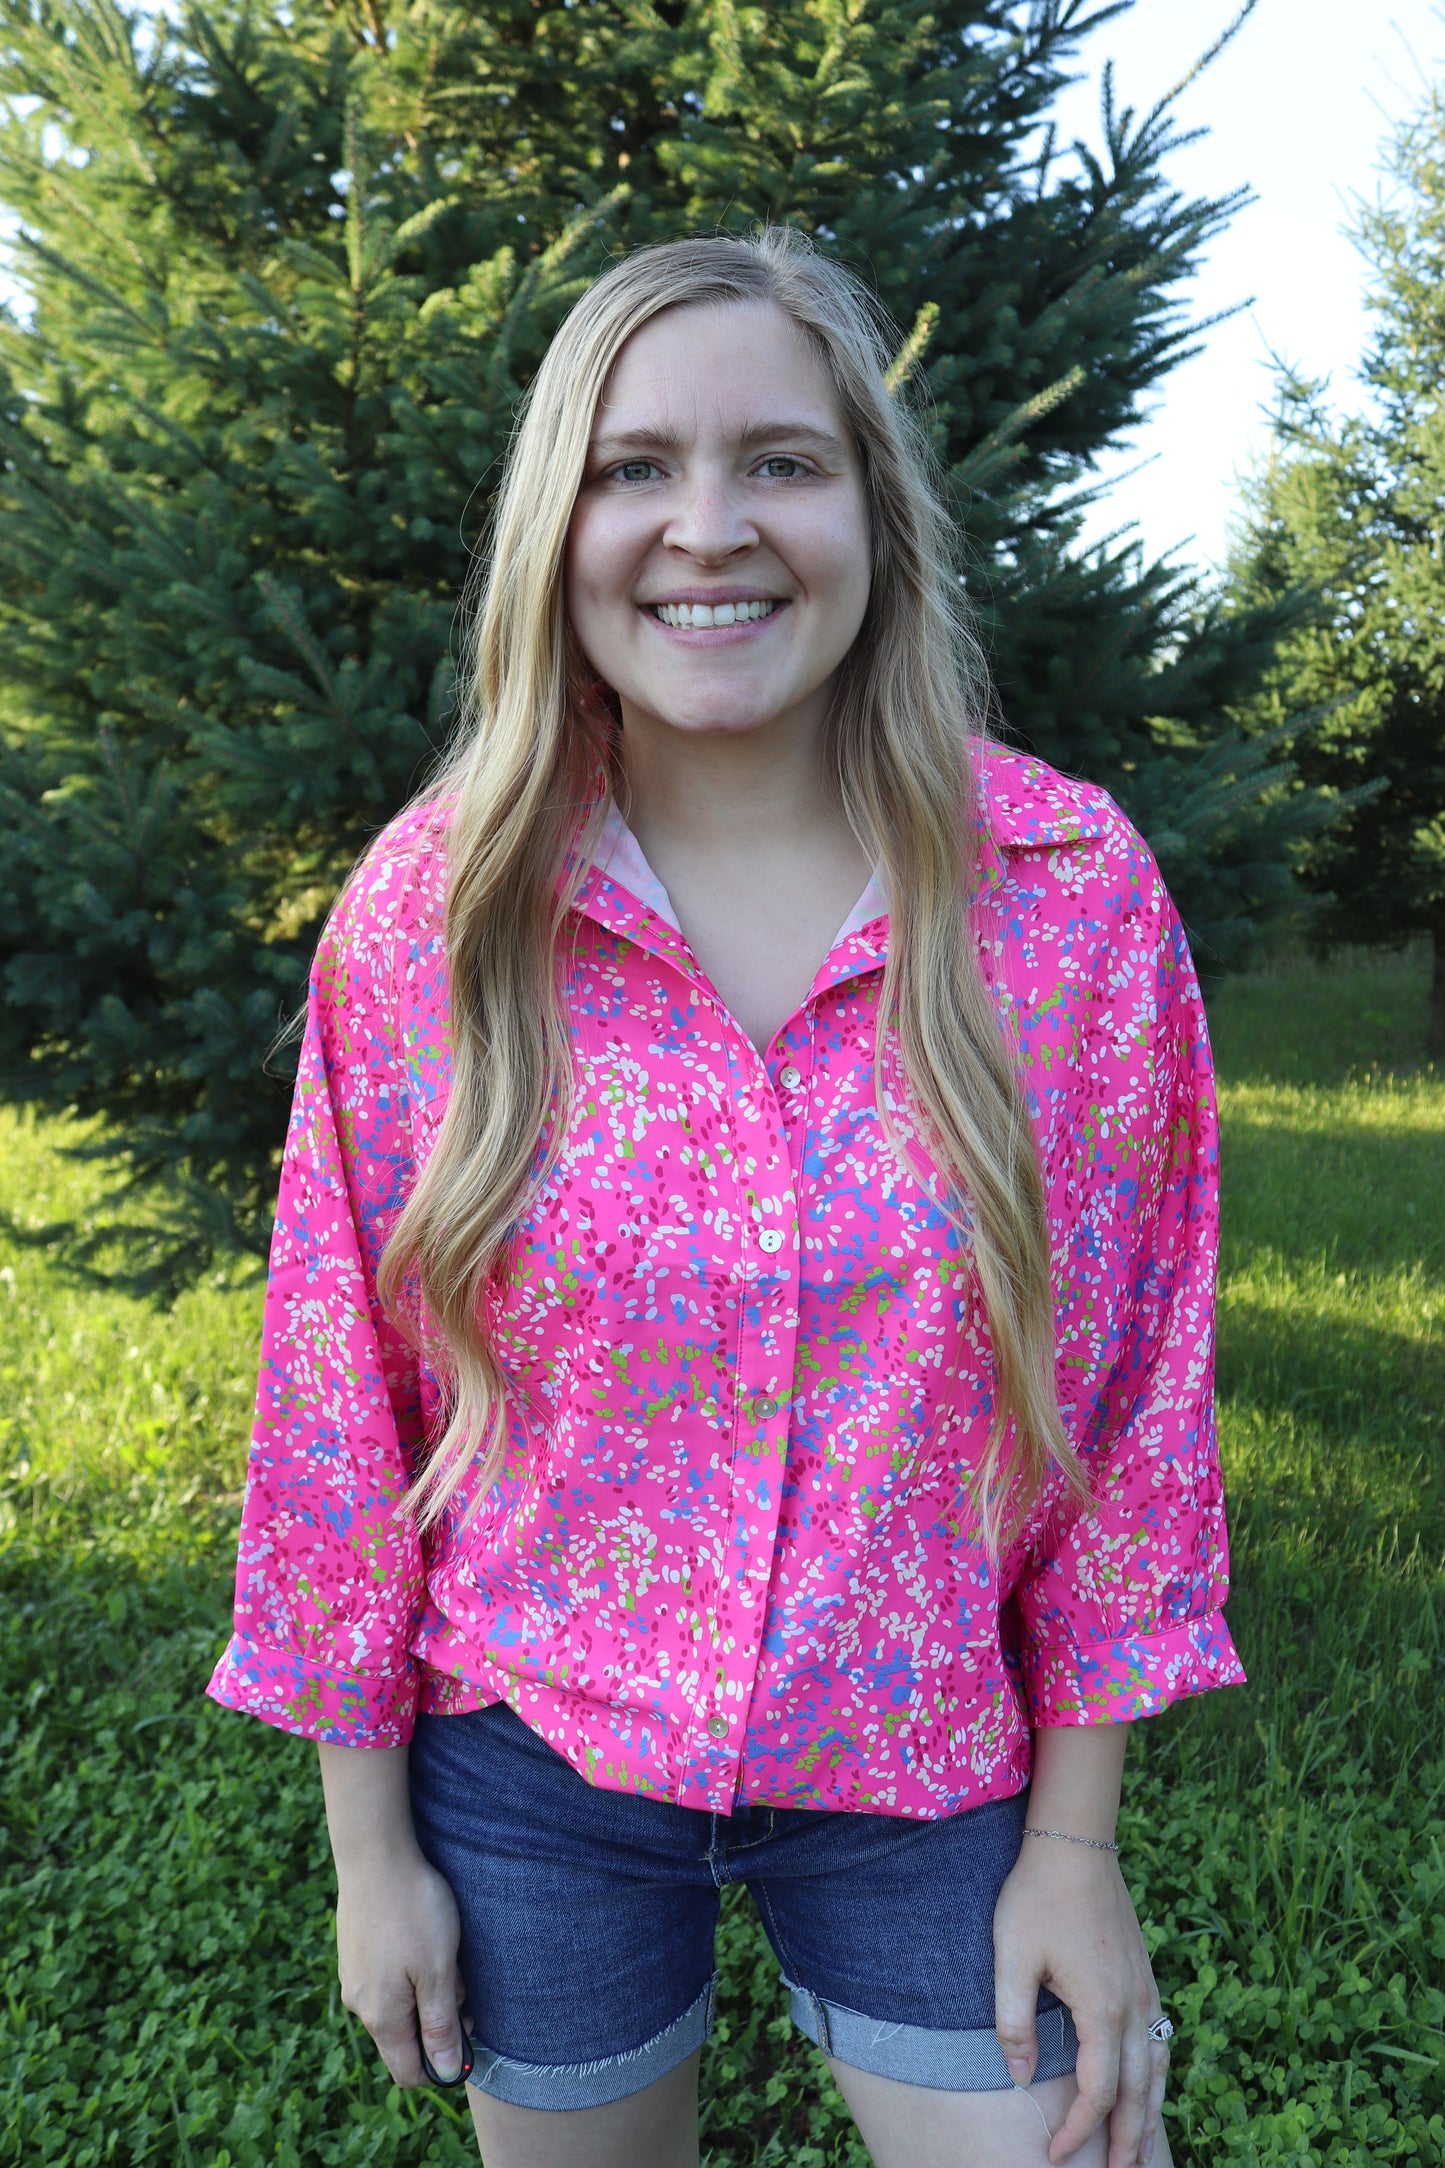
[{"x": 748, "y": 439}]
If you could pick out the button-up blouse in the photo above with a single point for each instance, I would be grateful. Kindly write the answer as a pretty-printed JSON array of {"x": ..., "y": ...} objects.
[{"x": 731, "y": 1555}]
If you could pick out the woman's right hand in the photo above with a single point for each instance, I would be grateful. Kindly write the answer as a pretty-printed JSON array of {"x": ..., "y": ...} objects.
[
  {"x": 397, "y": 1933},
  {"x": 397, "y": 1930}
]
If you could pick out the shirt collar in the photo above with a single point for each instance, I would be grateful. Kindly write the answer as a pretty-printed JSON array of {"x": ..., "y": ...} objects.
[
  {"x": 619, "y": 866},
  {"x": 1024, "y": 805},
  {"x": 618, "y": 858}
]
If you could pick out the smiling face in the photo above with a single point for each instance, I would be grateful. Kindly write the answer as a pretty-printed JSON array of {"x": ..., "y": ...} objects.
[{"x": 718, "y": 556}]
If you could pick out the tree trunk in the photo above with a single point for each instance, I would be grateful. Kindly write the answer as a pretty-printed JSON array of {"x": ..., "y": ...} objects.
[{"x": 1435, "y": 1030}]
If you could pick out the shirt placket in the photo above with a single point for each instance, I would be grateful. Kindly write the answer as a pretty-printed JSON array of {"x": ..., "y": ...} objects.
[
  {"x": 773, "y": 1108},
  {"x": 764, "y": 1214},
  {"x": 768, "y": 1111},
  {"x": 763, "y": 1390}
]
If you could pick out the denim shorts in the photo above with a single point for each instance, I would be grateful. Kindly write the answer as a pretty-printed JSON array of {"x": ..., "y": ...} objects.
[{"x": 588, "y": 1919}]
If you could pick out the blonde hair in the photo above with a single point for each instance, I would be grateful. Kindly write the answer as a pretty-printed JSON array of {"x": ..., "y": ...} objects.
[{"x": 533, "y": 769}]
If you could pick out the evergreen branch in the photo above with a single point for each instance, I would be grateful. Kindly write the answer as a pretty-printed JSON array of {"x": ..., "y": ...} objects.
[
  {"x": 1211, "y": 53},
  {"x": 354, "y": 155},
  {"x": 578, "y": 227},
  {"x": 308, "y": 258},
  {"x": 241, "y": 752},
  {"x": 418, "y": 225},
  {"x": 87, "y": 282},
  {"x": 268, "y": 302},
  {"x": 998, "y": 449},
  {"x": 551, "y": 260},
  {"x": 284, "y": 609},
  {"x": 441, "y": 701},
  {"x": 910, "y": 353},
  {"x": 191, "y": 445},
  {"x": 283, "y": 135}
]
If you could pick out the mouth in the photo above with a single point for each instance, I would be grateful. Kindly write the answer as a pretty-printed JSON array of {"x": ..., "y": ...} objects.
[{"x": 709, "y": 616}]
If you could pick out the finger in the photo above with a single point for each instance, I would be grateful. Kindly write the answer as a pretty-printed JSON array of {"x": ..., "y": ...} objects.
[
  {"x": 1015, "y": 2010},
  {"x": 1136, "y": 2068},
  {"x": 394, "y": 2032},
  {"x": 1158, "y": 2079},
  {"x": 440, "y": 2026},
  {"x": 1097, "y": 2077}
]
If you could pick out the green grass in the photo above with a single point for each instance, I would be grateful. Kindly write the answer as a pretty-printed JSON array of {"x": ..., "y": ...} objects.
[{"x": 168, "y": 1975}]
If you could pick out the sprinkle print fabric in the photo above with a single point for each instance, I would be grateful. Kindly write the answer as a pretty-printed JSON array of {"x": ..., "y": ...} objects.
[{"x": 730, "y": 1557}]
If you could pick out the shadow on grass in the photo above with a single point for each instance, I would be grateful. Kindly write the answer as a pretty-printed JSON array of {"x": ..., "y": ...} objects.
[
  {"x": 1364, "y": 1395},
  {"x": 1302, "y": 1021},
  {"x": 1368, "y": 1197}
]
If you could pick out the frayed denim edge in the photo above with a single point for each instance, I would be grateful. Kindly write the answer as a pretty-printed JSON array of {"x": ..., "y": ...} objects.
[
  {"x": 947, "y": 2062},
  {"x": 594, "y": 2085}
]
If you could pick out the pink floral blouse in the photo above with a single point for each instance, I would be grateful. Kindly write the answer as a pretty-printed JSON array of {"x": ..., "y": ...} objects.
[{"x": 729, "y": 1558}]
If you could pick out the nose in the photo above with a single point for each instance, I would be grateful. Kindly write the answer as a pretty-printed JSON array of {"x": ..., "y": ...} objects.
[{"x": 708, "y": 519}]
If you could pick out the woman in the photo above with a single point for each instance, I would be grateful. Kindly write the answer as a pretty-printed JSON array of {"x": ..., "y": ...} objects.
[{"x": 736, "y": 1392}]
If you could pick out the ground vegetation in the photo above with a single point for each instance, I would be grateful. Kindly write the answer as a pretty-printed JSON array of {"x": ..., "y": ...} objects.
[{"x": 168, "y": 1992}]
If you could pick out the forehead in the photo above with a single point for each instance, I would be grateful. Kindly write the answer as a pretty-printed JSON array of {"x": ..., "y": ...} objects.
[{"x": 694, "y": 370}]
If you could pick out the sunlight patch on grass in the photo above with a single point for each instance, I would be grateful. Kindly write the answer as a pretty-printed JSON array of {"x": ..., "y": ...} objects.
[{"x": 107, "y": 1402}]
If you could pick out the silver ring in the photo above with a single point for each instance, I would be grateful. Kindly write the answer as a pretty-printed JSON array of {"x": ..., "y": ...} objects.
[{"x": 1160, "y": 2030}]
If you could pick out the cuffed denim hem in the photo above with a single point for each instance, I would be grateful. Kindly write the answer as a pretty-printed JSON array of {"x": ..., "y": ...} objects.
[
  {"x": 593, "y": 2085},
  {"x": 949, "y": 2062}
]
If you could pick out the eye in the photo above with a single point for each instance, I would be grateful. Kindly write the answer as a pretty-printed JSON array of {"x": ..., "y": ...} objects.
[
  {"x": 781, "y": 467},
  {"x": 633, "y": 470}
]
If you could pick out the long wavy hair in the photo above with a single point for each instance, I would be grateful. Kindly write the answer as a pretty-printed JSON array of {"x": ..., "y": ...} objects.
[{"x": 531, "y": 773}]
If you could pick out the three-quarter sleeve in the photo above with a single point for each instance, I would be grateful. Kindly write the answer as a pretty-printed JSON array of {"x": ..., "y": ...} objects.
[
  {"x": 330, "y": 1579},
  {"x": 1121, "y": 1611}
]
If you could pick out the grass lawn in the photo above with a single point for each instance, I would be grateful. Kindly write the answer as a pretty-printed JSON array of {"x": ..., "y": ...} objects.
[{"x": 168, "y": 1990}]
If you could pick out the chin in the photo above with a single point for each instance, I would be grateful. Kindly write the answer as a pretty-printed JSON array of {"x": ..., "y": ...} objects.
[
  {"x": 722, "y": 723},
  {"x": 721, "y": 710}
]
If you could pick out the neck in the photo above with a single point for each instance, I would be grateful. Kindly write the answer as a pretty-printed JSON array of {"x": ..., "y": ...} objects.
[
  {"x": 700, "y": 791},
  {"x": 748, "y": 835}
]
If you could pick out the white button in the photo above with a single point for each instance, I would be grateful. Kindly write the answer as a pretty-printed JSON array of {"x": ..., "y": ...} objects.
[
  {"x": 718, "y": 1726},
  {"x": 765, "y": 1408},
  {"x": 790, "y": 1078},
  {"x": 770, "y": 1241}
]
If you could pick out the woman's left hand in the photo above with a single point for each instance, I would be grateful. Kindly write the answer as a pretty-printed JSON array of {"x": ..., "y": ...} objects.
[{"x": 1065, "y": 1921}]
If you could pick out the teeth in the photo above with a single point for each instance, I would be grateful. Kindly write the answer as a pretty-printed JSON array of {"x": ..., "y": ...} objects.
[{"x": 695, "y": 616}]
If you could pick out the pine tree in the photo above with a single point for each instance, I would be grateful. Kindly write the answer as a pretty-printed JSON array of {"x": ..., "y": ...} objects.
[
  {"x": 1354, "y": 510},
  {"x": 286, "y": 271}
]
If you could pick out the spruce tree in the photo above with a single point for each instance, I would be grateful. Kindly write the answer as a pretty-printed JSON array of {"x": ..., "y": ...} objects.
[
  {"x": 286, "y": 270},
  {"x": 1353, "y": 509}
]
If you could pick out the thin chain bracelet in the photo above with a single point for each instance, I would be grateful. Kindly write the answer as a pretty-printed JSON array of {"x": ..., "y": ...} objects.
[{"x": 1095, "y": 1844}]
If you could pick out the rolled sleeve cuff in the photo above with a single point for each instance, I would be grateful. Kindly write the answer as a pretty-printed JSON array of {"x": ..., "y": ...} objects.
[
  {"x": 340, "y": 1708},
  {"x": 1136, "y": 1675}
]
